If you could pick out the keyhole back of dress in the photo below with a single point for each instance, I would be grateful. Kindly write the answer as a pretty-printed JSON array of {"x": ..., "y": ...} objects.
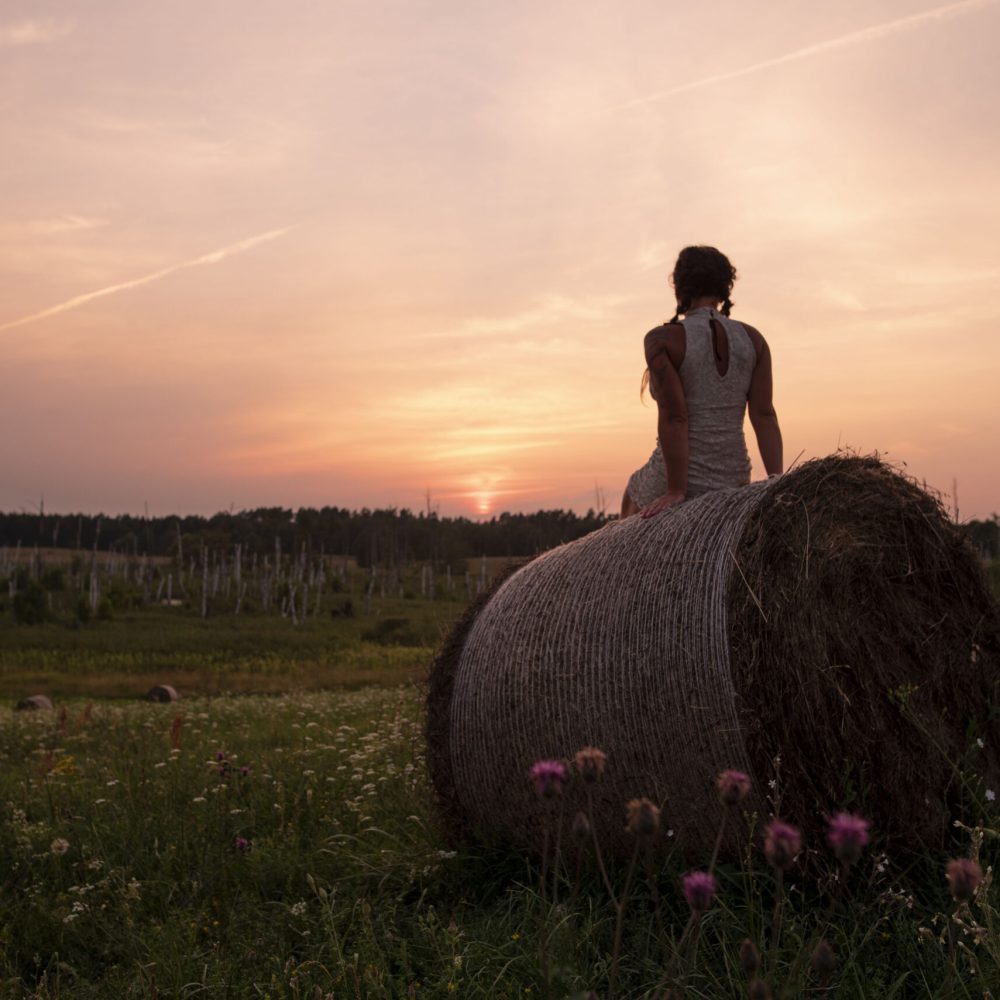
[{"x": 720, "y": 347}]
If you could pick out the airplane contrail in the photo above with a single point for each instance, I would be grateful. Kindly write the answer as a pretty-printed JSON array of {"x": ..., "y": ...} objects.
[
  {"x": 864, "y": 35},
  {"x": 208, "y": 258}
]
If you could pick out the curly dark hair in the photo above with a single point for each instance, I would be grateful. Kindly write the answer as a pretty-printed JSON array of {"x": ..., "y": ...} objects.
[{"x": 702, "y": 271}]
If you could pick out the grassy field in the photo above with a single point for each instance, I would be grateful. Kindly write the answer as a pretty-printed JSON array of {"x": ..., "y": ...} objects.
[
  {"x": 124, "y": 657},
  {"x": 286, "y": 847},
  {"x": 273, "y": 835}
]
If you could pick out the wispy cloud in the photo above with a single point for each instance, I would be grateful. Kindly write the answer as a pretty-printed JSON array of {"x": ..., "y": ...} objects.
[
  {"x": 209, "y": 258},
  {"x": 546, "y": 311},
  {"x": 874, "y": 33},
  {"x": 34, "y": 32},
  {"x": 52, "y": 226}
]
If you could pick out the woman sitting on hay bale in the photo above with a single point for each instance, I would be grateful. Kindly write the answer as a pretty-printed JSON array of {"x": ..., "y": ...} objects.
[{"x": 704, "y": 372}]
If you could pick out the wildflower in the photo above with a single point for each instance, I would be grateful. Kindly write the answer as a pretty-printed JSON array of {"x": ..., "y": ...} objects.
[
  {"x": 734, "y": 787},
  {"x": 847, "y": 834},
  {"x": 749, "y": 956},
  {"x": 980, "y": 743},
  {"x": 548, "y": 777},
  {"x": 59, "y": 846},
  {"x": 782, "y": 843},
  {"x": 643, "y": 818},
  {"x": 990, "y": 795},
  {"x": 590, "y": 763},
  {"x": 242, "y": 845},
  {"x": 699, "y": 890},
  {"x": 581, "y": 828},
  {"x": 823, "y": 961},
  {"x": 245, "y": 771},
  {"x": 964, "y": 877}
]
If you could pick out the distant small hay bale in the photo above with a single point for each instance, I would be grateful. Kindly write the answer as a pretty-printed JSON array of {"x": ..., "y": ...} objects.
[
  {"x": 162, "y": 693},
  {"x": 832, "y": 616},
  {"x": 34, "y": 703}
]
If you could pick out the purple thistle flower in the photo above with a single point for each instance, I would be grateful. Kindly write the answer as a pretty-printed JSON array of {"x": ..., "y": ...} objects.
[
  {"x": 548, "y": 777},
  {"x": 245, "y": 771},
  {"x": 220, "y": 754},
  {"x": 782, "y": 843},
  {"x": 964, "y": 878},
  {"x": 699, "y": 890},
  {"x": 242, "y": 845},
  {"x": 847, "y": 834},
  {"x": 734, "y": 787}
]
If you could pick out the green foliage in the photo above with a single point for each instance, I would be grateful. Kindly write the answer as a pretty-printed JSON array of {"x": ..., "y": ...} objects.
[
  {"x": 53, "y": 579},
  {"x": 31, "y": 604},
  {"x": 105, "y": 609},
  {"x": 392, "y": 632},
  {"x": 83, "y": 610}
]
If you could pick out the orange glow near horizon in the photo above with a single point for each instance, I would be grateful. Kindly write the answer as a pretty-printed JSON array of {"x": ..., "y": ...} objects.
[{"x": 316, "y": 260}]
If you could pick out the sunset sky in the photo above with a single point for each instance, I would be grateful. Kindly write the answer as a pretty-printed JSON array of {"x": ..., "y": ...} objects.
[{"x": 343, "y": 252}]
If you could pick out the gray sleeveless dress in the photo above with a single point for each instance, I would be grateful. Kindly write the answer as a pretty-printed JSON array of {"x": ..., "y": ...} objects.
[{"x": 717, "y": 449}]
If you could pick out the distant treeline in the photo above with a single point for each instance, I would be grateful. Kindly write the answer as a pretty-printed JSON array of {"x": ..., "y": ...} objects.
[
  {"x": 373, "y": 537},
  {"x": 985, "y": 535}
]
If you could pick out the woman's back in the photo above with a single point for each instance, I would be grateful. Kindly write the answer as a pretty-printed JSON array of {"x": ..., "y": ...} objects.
[
  {"x": 706, "y": 372},
  {"x": 716, "y": 384}
]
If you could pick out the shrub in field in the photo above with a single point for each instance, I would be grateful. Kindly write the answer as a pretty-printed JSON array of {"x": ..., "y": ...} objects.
[
  {"x": 392, "y": 632},
  {"x": 31, "y": 604},
  {"x": 53, "y": 579}
]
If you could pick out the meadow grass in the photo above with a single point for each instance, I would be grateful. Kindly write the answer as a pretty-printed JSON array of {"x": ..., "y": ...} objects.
[
  {"x": 220, "y": 654},
  {"x": 286, "y": 847}
]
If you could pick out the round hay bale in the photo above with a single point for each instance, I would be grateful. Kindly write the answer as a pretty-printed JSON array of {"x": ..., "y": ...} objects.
[
  {"x": 34, "y": 703},
  {"x": 162, "y": 693},
  {"x": 828, "y": 629}
]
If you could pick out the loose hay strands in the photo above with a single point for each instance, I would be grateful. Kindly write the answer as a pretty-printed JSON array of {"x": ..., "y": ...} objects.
[
  {"x": 827, "y": 616},
  {"x": 880, "y": 654}
]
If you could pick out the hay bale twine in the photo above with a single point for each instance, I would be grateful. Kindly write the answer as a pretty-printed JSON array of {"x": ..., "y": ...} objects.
[
  {"x": 34, "y": 703},
  {"x": 162, "y": 693},
  {"x": 832, "y": 617}
]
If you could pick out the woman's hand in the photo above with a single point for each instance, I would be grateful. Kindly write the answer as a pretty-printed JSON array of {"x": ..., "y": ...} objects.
[{"x": 669, "y": 499}]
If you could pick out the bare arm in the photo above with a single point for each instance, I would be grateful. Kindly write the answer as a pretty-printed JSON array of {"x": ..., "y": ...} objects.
[
  {"x": 760, "y": 406},
  {"x": 671, "y": 420}
]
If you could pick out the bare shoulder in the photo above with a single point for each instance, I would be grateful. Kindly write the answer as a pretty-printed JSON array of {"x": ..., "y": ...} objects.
[
  {"x": 667, "y": 338},
  {"x": 756, "y": 337}
]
